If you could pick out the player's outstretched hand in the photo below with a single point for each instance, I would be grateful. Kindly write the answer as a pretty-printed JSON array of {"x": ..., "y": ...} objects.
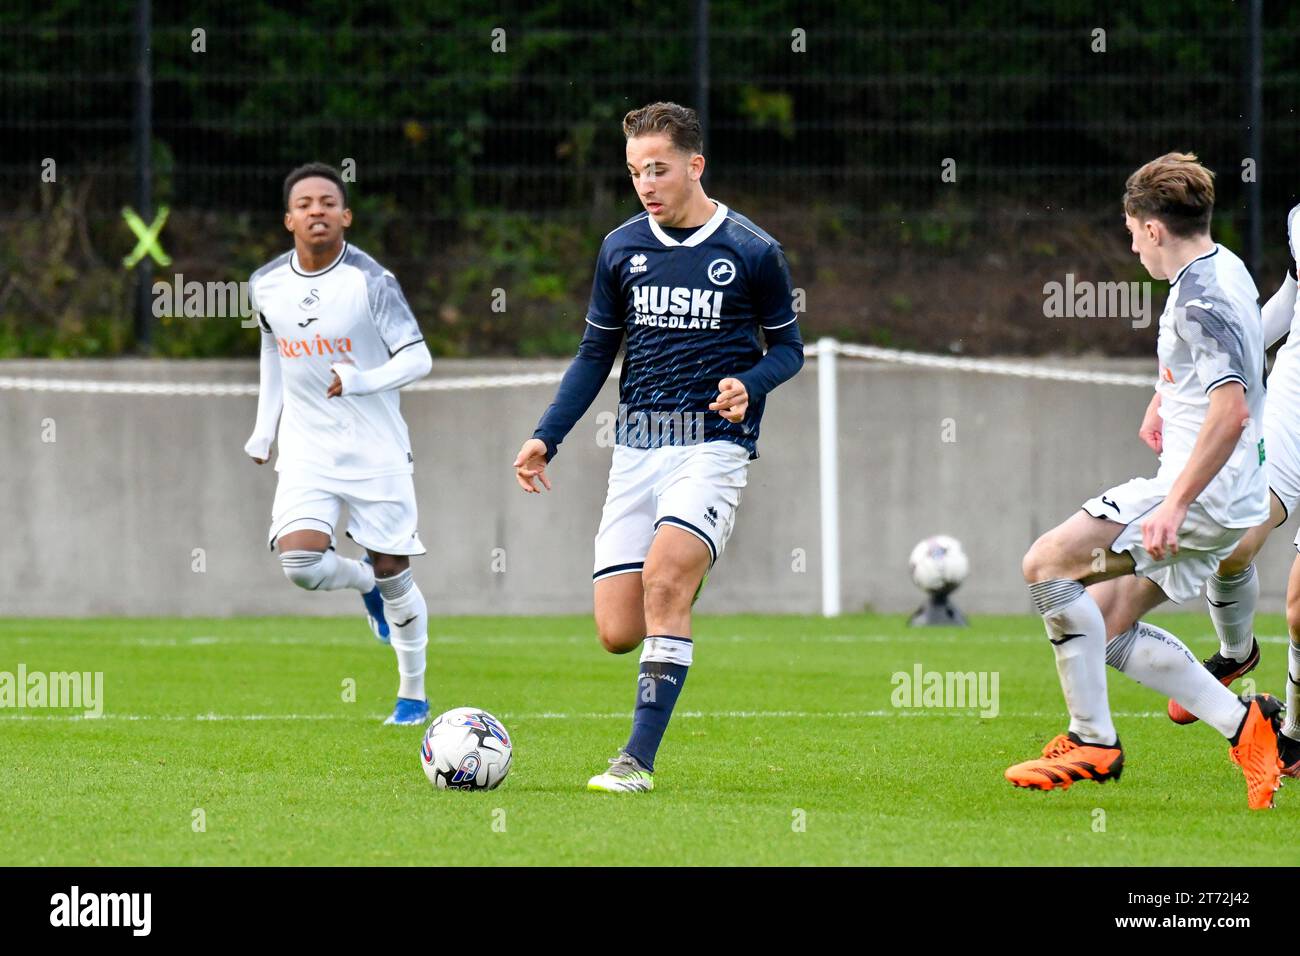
[
  {"x": 1151, "y": 430},
  {"x": 1160, "y": 531},
  {"x": 530, "y": 463},
  {"x": 732, "y": 401}
]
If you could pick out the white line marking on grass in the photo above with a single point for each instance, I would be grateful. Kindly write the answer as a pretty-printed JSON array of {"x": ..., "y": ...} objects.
[
  {"x": 251, "y": 640},
  {"x": 185, "y": 717},
  {"x": 552, "y": 715},
  {"x": 786, "y": 714},
  {"x": 363, "y": 640}
]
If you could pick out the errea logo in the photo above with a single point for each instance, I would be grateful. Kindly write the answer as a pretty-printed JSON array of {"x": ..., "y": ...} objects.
[{"x": 638, "y": 263}]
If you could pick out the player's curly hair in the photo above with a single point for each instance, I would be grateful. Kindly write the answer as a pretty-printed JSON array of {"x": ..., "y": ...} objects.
[
  {"x": 307, "y": 171},
  {"x": 1174, "y": 188},
  {"x": 680, "y": 123}
]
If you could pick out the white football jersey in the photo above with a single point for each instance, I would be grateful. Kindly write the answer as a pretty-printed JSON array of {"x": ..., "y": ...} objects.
[
  {"x": 352, "y": 310},
  {"x": 1210, "y": 334},
  {"x": 1292, "y": 343}
]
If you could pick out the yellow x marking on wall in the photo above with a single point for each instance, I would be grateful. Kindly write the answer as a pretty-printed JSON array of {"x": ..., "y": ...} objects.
[{"x": 147, "y": 236}]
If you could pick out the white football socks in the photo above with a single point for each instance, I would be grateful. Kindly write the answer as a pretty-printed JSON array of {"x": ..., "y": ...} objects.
[
  {"x": 1155, "y": 658},
  {"x": 1232, "y": 603},
  {"x": 408, "y": 626},
  {"x": 1078, "y": 635},
  {"x": 326, "y": 571},
  {"x": 1292, "y": 726}
]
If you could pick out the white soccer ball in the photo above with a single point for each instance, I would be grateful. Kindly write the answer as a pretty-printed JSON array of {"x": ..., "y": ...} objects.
[
  {"x": 938, "y": 564},
  {"x": 466, "y": 749}
]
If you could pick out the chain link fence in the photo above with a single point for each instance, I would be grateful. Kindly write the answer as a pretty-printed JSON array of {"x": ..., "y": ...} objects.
[{"x": 874, "y": 135}]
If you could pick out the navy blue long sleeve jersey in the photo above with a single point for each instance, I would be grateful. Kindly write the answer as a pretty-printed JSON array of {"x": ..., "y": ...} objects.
[{"x": 691, "y": 303}]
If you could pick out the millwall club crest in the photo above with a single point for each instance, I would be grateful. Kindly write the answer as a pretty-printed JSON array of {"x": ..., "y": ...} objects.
[{"x": 722, "y": 271}]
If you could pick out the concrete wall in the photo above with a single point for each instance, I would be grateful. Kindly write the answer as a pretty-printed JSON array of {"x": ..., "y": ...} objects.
[{"x": 105, "y": 519}]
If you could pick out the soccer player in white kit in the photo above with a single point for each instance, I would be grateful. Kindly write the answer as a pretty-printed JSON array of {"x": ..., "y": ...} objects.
[
  {"x": 1233, "y": 591},
  {"x": 338, "y": 341},
  {"x": 1160, "y": 538}
]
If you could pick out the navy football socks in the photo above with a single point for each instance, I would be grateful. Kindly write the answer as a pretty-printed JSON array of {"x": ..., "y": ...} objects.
[{"x": 664, "y": 663}]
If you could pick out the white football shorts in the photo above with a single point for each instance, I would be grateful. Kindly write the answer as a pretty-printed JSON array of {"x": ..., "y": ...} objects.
[
  {"x": 1202, "y": 541},
  {"x": 1282, "y": 430},
  {"x": 692, "y": 487},
  {"x": 382, "y": 515}
]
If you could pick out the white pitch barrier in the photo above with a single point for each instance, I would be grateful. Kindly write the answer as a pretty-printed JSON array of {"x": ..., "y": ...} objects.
[{"x": 826, "y": 350}]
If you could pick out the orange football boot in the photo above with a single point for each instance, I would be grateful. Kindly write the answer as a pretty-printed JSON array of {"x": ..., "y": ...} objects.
[
  {"x": 1254, "y": 750},
  {"x": 1067, "y": 759}
]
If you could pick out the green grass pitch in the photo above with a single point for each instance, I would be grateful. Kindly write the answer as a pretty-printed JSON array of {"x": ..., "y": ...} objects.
[{"x": 786, "y": 749}]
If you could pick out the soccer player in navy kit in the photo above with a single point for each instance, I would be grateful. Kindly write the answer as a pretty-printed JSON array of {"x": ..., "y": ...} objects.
[{"x": 690, "y": 283}]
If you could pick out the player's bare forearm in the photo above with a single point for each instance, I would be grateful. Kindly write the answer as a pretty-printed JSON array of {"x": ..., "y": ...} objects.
[
  {"x": 1151, "y": 430},
  {"x": 1223, "y": 426}
]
